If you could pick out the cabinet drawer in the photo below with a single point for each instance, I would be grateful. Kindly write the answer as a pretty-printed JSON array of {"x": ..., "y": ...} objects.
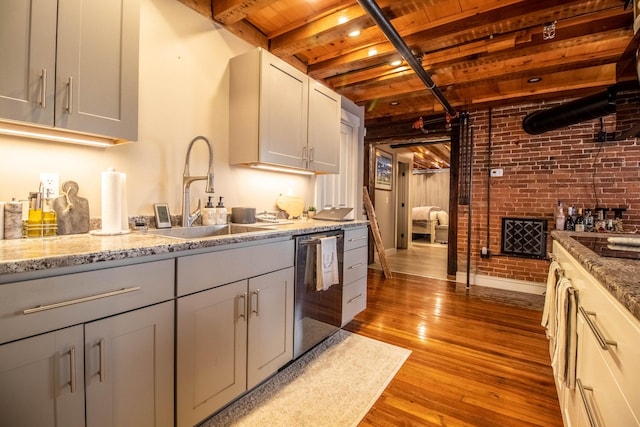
[
  {"x": 36, "y": 306},
  {"x": 355, "y": 238},
  {"x": 612, "y": 323},
  {"x": 602, "y": 394},
  {"x": 355, "y": 264},
  {"x": 354, "y": 299},
  {"x": 205, "y": 271}
]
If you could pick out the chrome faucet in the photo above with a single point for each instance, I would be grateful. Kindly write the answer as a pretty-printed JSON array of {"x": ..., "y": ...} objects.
[{"x": 189, "y": 218}]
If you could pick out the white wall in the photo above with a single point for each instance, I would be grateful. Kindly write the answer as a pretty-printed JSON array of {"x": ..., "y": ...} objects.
[
  {"x": 431, "y": 189},
  {"x": 184, "y": 92}
]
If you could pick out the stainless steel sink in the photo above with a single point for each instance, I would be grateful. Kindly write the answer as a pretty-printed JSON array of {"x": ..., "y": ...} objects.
[{"x": 200, "y": 232}]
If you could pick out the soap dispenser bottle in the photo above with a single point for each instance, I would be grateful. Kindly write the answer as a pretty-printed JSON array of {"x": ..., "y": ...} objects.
[
  {"x": 209, "y": 213},
  {"x": 221, "y": 213}
]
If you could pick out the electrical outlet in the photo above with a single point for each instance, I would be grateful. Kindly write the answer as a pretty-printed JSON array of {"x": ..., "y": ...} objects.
[{"x": 51, "y": 184}]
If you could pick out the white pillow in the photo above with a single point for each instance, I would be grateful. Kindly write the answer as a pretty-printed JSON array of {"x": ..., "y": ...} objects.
[{"x": 443, "y": 218}]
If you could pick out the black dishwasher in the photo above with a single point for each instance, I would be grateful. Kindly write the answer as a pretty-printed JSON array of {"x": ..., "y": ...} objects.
[{"x": 317, "y": 313}]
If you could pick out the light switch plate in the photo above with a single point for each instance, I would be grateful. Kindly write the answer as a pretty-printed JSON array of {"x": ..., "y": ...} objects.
[
  {"x": 496, "y": 172},
  {"x": 51, "y": 184}
]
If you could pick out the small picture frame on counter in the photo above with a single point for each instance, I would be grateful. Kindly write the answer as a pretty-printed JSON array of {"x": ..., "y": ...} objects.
[{"x": 163, "y": 218}]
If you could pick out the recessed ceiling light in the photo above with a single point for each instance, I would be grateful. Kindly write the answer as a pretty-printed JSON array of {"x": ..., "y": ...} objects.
[
  {"x": 396, "y": 63},
  {"x": 394, "y": 103},
  {"x": 534, "y": 80},
  {"x": 355, "y": 33},
  {"x": 373, "y": 52},
  {"x": 343, "y": 20}
]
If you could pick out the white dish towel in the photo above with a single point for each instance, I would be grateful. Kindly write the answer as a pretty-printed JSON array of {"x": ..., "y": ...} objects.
[
  {"x": 565, "y": 352},
  {"x": 327, "y": 263},
  {"x": 549, "y": 312}
]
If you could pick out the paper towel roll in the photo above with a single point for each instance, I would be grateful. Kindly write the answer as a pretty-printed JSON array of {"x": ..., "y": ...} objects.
[
  {"x": 112, "y": 195},
  {"x": 1, "y": 220},
  {"x": 124, "y": 212},
  {"x": 13, "y": 220}
]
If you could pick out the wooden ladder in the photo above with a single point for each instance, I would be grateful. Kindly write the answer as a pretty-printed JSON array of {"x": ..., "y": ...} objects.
[{"x": 377, "y": 238}]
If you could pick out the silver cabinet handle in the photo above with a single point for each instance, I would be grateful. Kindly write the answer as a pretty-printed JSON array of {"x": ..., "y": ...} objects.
[
  {"x": 257, "y": 294},
  {"x": 101, "y": 347},
  {"x": 72, "y": 369},
  {"x": 355, "y": 266},
  {"x": 304, "y": 153},
  {"x": 311, "y": 154},
  {"x": 587, "y": 407},
  {"x": 70, "y": 94},
  {"x": 355, "y": 239},
  {"x": 80, "y": 300},
  {"x": 43, "y": 89},
  {"x": 243, "y": 315},
  {"x": 357, "y": 297},
  {"x": 602, "y": 340}
]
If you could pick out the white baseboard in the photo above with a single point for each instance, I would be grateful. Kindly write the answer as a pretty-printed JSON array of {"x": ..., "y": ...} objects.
[{"x": 502, "y": 283}]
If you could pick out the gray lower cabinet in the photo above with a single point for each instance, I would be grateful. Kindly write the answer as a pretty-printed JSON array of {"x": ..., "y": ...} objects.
[
  {"x": 93, "y": 348},
  {"x": 120, "y": 367},
  {"x": 354, "y": 294},
  {"x": 233, "y": 334}
]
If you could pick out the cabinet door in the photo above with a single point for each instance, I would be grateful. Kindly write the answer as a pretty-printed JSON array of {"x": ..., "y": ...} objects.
[
  {"x": 211, "y": 351},
  {"x": 270, "y": 342},
  {"x": 41, "y": 380},
  {"x": 27, "y": 49},
  {"x": 97, "y": 67},
  {"x": 283, "y": 113},
  {"x": 129, "y": 368},
  {"x": 324, "y": 129}
]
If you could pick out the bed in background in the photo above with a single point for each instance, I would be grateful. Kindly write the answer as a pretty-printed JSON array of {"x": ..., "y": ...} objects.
[{"x": 432, "y": 221}]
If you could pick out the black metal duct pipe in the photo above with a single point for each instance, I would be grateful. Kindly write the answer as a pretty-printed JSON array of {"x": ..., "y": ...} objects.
[
  {"x": 374, "y": 11},
  {"x": 577, "y": 111}
]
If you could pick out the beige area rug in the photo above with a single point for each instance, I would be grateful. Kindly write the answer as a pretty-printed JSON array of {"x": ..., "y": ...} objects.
[{"x": 334, "y": 384}]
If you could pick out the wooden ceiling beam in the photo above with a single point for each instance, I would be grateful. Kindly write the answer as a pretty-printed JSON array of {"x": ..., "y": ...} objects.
[
  {"x": 571, "y": 30},
  {"x": 203, "y": 7},
  {"x": 231, "y": 11}
]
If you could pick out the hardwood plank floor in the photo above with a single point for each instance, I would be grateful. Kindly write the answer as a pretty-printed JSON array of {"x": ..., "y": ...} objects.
[{"x": 477, "y": 358}]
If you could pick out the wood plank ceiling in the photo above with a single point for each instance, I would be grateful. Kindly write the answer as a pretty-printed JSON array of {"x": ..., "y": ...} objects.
[{"x": 480, "y": 53}]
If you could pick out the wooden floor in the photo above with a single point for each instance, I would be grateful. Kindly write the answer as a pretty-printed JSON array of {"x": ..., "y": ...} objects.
[
  {"x": 477, "y": 359},
  {"x": 422, "y": 259}
]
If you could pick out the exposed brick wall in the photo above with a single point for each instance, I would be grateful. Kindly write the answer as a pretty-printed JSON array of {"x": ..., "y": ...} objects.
[{"x": 566, "y": 164}]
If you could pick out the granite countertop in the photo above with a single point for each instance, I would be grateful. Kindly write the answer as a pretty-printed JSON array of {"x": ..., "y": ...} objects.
[
  {"x": 618, "y": 275},
  {"x": 39, "y": 254}
]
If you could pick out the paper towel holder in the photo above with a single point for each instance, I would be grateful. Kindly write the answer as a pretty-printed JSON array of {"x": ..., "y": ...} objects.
[{"x": 163, "y": 219}]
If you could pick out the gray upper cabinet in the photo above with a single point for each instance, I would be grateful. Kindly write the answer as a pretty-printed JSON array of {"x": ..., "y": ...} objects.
[
  {"x": 72, "y": 65},
  {"x": 279, "y": 116}
]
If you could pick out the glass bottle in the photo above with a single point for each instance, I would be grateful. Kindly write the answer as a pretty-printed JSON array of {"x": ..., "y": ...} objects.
[
  {"x": 569, "y": 223},
  {"x": 579, "y": 221},
  {"x": 589, "y": 221},
  {"x": 560, "y": 218}
]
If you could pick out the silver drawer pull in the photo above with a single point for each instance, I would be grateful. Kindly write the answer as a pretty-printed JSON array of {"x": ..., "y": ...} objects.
[
  {"x": 604, "y": 342},
  {"x": 72, "y": 369},
  {"x": 43, "y": 89},
  {"x": 355, "y": 239},
  {"x": 103, "y": 359},
  {"x": 360, "y": 264},
  {"x": 80, "y": 300},
  {"x": 70, "y": 95},
  {"x": 357, "y": 297},
  {"x": 243, "y": 315},
  {"x": 587, "y": 407},
  {"x": 257, "y": 309}
]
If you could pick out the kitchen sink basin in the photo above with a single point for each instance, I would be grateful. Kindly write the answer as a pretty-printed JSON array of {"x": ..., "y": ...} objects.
[{"x": 200, "y": 232}]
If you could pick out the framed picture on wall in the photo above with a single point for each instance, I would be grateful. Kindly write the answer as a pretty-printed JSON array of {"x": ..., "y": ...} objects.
[{"x": 384, "y": 170}]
